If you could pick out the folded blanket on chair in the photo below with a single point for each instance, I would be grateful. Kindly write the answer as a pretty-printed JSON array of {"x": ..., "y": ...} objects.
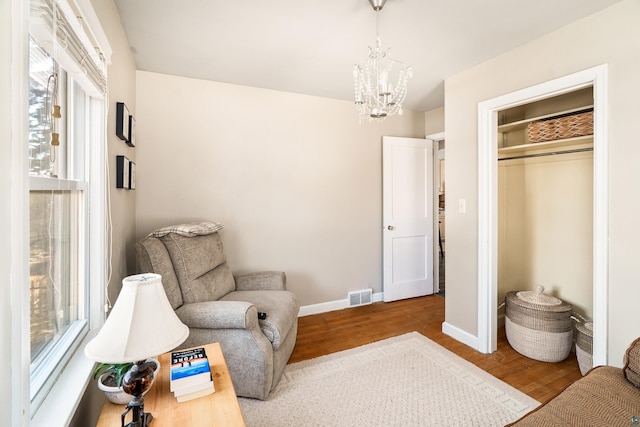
[{"x": 189, "y": 230}]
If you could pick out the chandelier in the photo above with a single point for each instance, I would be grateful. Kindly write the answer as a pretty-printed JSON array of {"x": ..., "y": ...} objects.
[{"x": 376, "y": 94}]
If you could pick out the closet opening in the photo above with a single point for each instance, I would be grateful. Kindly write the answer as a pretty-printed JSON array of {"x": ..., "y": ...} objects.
[
  {"x": 491, "y": 147},
  {"x": 545, "y": 199}
]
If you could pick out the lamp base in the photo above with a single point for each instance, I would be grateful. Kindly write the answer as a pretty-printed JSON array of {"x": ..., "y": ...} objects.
[
  {"x": 140, "y": 418},
  {"x": 136, "y": 381}
]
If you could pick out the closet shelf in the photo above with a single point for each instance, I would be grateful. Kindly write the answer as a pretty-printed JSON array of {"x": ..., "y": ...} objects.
[
  {"x": 522, "y": 124},
  {"x": 540, "y": 147}
]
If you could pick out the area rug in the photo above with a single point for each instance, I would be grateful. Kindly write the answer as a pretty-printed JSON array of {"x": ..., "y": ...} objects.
[{"x": 403, "y": 381}]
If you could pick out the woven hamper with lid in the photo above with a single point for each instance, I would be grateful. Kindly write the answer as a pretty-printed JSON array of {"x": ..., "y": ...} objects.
[
  {"x": 584, "y": 346},
  {"x": 538, "y": 326}
]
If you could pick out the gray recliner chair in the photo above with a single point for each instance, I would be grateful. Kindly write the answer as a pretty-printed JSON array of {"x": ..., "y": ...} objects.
[{"x": 220, "y": 307}]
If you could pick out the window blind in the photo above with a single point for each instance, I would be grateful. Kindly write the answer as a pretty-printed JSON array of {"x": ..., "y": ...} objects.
[{"x": 71, "y": 45}]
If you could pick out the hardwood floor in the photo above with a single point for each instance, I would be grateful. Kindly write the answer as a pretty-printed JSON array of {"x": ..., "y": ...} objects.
[{"x": 326, "y": 333}]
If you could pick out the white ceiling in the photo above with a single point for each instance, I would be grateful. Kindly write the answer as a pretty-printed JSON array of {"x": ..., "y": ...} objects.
[{"x": 310, "y": 47}]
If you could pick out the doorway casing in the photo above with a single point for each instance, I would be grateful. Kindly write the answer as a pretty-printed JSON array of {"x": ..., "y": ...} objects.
[
  {"x": 436, "y": 138},
  {"x": 488, "y": 203}
]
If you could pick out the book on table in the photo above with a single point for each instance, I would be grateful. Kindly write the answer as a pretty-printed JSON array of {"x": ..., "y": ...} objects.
[
  {"x": 194, "y": 388},
  {"x": 190, "y": 373},
  {"x": 195, "y": 394}
]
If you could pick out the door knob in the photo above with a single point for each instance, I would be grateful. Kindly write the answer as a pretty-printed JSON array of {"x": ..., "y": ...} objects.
[{"x": 390, "y": 227}]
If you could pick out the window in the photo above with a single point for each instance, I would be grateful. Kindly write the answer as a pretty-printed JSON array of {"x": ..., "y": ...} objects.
[
  {"x": 66, "y": 156},
  {"x": 57, "y": 215}
]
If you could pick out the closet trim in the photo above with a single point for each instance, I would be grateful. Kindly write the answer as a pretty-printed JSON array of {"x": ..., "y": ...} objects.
[{"x": 488, "y": 203}]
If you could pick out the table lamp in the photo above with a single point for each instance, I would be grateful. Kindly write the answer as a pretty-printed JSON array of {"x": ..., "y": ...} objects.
[{"x": 141, "y": 325}]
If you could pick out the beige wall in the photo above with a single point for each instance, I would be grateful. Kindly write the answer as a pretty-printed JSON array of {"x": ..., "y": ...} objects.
[
  {"x": 294, "y": 178},
  {"x": 611, "y": 36},
  {"x": 545, "y": 224},
  {"x": 122, "y": 88},
  {"x": 434, "y": 121}
]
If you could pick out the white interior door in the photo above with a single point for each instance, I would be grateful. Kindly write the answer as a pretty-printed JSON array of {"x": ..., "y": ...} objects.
[{"x": 407, "y": 169}]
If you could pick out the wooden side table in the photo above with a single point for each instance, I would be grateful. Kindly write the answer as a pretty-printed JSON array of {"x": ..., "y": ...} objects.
[{"x": 220, "y": 408}]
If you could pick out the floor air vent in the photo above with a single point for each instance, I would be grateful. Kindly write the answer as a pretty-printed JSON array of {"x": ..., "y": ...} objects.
[{"x": 362, "y": 297}]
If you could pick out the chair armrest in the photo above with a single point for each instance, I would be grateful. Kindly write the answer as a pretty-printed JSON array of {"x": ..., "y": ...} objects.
[
  {"x": 261, "y": 281},
  {"x": 219, "y": 315}
]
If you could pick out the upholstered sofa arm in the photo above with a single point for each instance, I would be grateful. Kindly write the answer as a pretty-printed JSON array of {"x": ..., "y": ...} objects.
[
  {"x": 219, "y": 315},
  {"x": 261, "y": 281}
]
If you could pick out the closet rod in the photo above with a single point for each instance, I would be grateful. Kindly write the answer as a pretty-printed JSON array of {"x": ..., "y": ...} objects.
[{"x": 553, "y": 153}]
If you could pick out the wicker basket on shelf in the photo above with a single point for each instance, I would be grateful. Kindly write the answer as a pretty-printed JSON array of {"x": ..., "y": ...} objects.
[
  {"x": 538, "y": 326},
  {"x": 569, "y": 126},
  {"x": 541, "y": 131},
  {"x": 573, "y": 125},
  {"x": 584, "y": 345}
]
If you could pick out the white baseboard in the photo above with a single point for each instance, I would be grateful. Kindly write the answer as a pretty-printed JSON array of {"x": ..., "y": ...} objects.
[
  {"x": 324, "y": 307},
  {"x": 460, "y": 335}
]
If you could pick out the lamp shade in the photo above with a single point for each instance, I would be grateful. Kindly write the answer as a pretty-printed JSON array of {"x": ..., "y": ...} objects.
[{"x": 142, "y": 324}]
